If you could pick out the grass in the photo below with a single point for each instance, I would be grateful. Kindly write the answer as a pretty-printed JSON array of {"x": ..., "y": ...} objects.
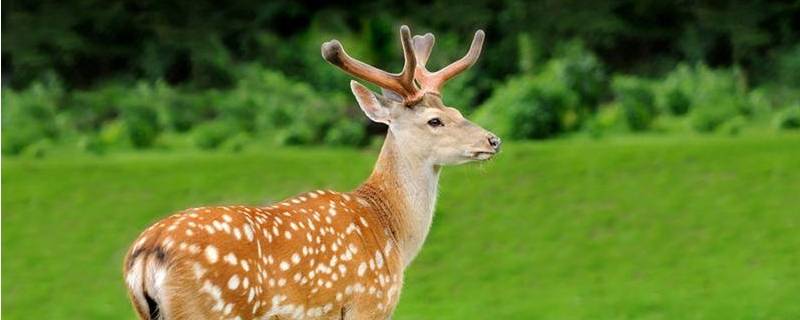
[{"x": 655, "y": 228}]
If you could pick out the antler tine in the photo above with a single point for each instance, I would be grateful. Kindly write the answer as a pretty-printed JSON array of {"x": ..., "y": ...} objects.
[
  {"x": 410, "y": 64},
  {"x": 433, "y": 82},
  {"x": 402, "y": 83},
  {"x": 422, "y": 48}
]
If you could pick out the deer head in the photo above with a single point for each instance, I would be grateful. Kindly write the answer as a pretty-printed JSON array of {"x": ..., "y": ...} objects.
[{"x": 411, "y": 102}]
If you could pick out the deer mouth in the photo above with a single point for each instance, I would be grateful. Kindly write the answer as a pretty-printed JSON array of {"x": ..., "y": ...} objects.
[{"x": 483, "y": 155}]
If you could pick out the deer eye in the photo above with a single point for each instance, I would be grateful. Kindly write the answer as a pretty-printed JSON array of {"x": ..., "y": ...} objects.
[{"x": 435, "y": 122}]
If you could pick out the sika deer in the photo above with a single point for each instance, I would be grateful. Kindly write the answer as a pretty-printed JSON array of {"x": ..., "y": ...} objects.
[{"x": 321, "y": 254}]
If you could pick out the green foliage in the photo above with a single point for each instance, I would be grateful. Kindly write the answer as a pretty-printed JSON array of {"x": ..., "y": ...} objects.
[
  {"x": 636, "y": 102},
  {"x": 788, "y": 119},
  {"x": 733, "y": 126},
  {"x": 787, "y": 66},
  {"x": 580, "y": 71},
  {"x": 346, "y": 133},
  {"x": 717, "y": 96},
  {"x": 29, "y": 116},
  {"x": 212, "y": 135},
  {"x": 528, "y": 108},
  {"x": 557, "y": 99},
  {"x": 141, "y": 125}
]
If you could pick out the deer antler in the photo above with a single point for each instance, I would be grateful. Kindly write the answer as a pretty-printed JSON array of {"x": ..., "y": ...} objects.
[
  {"x": 433, "y": 81},
  {"x": 401, "y": 83}
]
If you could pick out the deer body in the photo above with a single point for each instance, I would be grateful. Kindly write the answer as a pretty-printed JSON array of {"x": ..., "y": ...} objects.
[{"x": 321, "y": 254}]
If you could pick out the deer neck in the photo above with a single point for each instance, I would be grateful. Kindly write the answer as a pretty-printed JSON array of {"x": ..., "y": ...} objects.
[{"x": 402, "y": 191}]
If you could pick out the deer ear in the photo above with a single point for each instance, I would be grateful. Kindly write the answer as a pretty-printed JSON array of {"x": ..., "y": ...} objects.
[{"x": 376, "y": 108}]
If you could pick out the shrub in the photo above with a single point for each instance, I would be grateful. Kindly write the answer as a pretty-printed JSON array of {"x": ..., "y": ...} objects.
[
  {"x": 788, "y": 119},
  {"x": 30, "y": 116},
  {"x": 787, "y": 66},
  {"x": 297, "y": 134},
  {"x": 89, "y": 110},
  {"x": 212, "y": 135},
  {"x": 718, "y": 96},
  {"x": 183, "y": 111},
  {"x": 581, "y": 71},
  {"x": 39, "y": 149},
  {"x": 236, "y": 143},
  {"x": 670, "y": 97},
  {"x": 113, "y": 133},
  {"x": 636, "y": 102},
  {"x": 733, "y": 126},
  {"x": 528, "y": 108},
  {"x": 346, "y": 132},
  {"x": 141, "y": 125},
  {"x": 92, "y": 143}
]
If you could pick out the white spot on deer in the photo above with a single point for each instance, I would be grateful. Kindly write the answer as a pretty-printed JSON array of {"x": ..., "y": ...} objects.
[
  {"x": 284, "y": 265},
  {"x": 198, "y": 270},
  {"x": 378, "y": 259},
  {"x": 233, "y": 282},
  {"x": 211, "y": 254},
  {"x": 362, "y": 268},
  {"x": 230, "y": 258},
  {"x": 295, "y": 258},
  {"x": 250, "y": 295},
  {"x": 227, "y": 218},
  {"x": 217, "y": 225},
  {"x": 248, "y": 232},
  {"x": 288, "y": 235},
  {"x": 245, "y": 265}
]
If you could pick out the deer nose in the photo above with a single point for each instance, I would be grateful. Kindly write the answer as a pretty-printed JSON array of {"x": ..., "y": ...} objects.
[{"x": 495, "y": 142}]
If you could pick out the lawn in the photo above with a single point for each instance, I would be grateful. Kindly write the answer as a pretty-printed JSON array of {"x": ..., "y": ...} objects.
[{"x": 645, "y": 228}]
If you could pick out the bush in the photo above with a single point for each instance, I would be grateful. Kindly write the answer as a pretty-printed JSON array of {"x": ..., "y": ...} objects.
[
  {"x": 733, "y": 126},
  {"x": 346, "y": 132},
  {"x": 788, "y": 119},
  {"x": 30, "y": 116},
  {"x": 670, "y": 97},
  {"x": 636, "y": 102},
  {"x": 297, "y": 134},
  {"x": 39, "y": 149},
  {"x": 582, "y": 72},
  {"x": 301, "y": 115},
  {"x": 183, "y": 111},
  {"x": 212, "y": 135},
  {"x": 141, "y": 125},
  {"x": 236, "y": 143},
  {"x": 92, "y": 143},
  {"x": 787, "y": 66},
  {"x": 528, "y": 108}
]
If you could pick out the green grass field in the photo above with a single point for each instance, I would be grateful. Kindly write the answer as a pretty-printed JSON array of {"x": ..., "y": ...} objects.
[{"x": 647, "y": 228}]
